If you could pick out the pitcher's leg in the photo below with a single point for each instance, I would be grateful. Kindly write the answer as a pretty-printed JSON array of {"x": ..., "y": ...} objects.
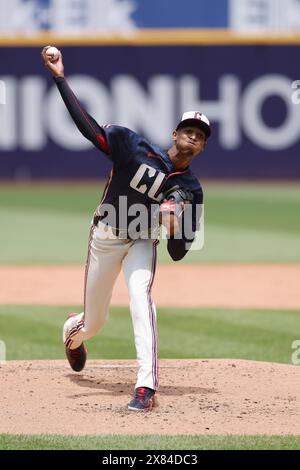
[
  {"x": 139, "y": 269},
  {"x": 102, "y": 268}
]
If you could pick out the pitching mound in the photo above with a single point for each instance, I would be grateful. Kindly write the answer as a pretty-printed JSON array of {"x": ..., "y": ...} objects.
[{"x": 195, "y": 397}]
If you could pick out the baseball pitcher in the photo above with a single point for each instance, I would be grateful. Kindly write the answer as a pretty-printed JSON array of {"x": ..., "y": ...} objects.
[{"x": 158, "y": 185}]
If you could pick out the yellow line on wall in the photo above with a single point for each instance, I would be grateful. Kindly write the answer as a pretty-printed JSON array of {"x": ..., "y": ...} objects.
[{"x": 151, "y": 37}]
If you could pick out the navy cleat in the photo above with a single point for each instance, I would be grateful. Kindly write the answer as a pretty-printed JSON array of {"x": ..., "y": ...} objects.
[
  {"x": 77, "y": 357},
  {"x": 143, "y": 399}
]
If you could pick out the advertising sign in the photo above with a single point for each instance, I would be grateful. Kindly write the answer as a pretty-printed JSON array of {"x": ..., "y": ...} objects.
[{"x": 250, "y": 94}]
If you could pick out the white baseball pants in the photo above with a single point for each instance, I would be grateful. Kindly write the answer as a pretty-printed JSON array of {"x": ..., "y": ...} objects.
[{"x": 107, "y": 255}]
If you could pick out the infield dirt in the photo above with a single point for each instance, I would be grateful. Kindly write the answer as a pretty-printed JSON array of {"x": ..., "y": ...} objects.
[{"x": 202, "y": 285}]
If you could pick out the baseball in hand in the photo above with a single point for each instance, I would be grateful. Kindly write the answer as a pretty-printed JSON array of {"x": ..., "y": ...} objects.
[{"x": 53, "y": 53}]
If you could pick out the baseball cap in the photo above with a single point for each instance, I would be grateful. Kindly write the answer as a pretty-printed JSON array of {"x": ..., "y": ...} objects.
[{"x": 195, "y": 118}]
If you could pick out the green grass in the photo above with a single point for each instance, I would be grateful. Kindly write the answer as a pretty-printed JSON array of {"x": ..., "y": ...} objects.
[
  {"x": 243, "y": 223},
  {"x": 264, "y": 335},
  {"x": 250, "y": 223},
  {"x": 46, "y": 224},
  {"x": 10, "y": 442}
]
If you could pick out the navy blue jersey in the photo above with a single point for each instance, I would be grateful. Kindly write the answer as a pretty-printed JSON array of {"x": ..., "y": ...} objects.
[{"x": 141, "y": 171}]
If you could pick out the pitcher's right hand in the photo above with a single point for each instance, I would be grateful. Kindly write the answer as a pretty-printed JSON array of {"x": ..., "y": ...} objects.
[{"x": 55, "y": 67}]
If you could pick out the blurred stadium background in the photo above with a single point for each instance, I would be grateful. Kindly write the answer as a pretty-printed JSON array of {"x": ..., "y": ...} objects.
[{"x": 141, "y": 63}]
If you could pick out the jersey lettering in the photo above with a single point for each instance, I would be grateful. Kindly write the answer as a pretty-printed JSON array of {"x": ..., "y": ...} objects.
[{"x": 151, "y": 173}]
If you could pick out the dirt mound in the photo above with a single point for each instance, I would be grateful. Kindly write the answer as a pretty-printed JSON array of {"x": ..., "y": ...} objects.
[{"x": 195, "y": 397}]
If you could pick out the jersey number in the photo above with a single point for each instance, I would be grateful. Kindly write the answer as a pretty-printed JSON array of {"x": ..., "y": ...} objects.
[{"x": 143, "y": 188}]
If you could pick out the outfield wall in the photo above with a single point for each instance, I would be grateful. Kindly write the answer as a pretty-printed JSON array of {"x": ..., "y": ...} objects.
[{"x": 246, "y": 90}]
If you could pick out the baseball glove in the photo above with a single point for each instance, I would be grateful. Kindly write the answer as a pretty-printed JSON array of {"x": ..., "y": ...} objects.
[{"x": 174, "y": 200}]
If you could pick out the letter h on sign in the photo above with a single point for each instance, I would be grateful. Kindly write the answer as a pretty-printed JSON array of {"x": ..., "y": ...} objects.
[{"x": 2, "y": 92}]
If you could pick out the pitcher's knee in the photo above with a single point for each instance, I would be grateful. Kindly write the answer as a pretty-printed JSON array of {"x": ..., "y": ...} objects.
[{"x": 91, "y": 328}]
